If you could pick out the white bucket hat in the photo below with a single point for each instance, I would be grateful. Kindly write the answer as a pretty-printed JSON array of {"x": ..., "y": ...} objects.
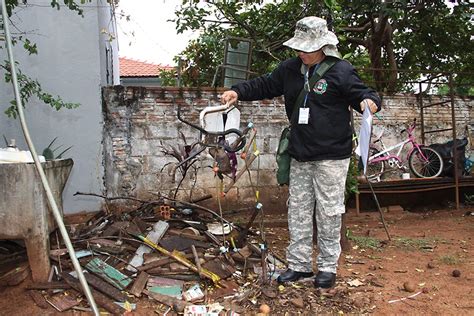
[
  {"x": 331, "y": 50},
  {"x": 312, "y": 34}
]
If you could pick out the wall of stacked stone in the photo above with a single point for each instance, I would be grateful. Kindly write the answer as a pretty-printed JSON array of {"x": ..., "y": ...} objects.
[{"x": 140, "y": 122}]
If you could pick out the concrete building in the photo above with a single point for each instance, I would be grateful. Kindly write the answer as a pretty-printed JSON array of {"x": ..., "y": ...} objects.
[{"x": 76, "y": 57}]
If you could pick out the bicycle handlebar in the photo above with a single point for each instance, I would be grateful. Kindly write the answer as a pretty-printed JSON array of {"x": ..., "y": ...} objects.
[
  {"x": 410, "y": 129},
  {"x": 228, "y": 148}
]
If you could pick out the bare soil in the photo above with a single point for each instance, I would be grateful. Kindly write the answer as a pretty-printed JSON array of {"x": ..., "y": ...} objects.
[{"x": 425, "y": 249}]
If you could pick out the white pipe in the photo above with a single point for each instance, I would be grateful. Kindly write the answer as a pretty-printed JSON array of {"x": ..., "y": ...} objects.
[{"x": 49, "y": 194}]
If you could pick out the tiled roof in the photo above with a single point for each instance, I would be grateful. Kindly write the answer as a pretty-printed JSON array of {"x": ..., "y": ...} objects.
[{"x": 135, "y": 68}]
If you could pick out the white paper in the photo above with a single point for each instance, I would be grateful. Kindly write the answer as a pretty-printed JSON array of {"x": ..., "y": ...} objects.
[
  {"x": 303, "y": 116},
  {"x": 362, "y": 149}
]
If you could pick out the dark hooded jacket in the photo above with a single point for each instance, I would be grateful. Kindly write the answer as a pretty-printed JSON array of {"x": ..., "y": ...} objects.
[{"x": 328, "y": 134}]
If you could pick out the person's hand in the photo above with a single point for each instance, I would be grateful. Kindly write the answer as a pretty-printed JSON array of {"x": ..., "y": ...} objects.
[
  {"x": 229, "y": 96},
  {"x": 368, "y": 102}
]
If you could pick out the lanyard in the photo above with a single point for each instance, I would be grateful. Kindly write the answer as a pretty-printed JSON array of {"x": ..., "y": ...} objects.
[{"x": 307, "y": 88}]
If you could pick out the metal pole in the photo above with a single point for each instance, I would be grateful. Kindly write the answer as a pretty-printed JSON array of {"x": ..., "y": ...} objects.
[
  {"x": 422, "y": 115},
  {"x": 455, "y": 144},
  {"x": 49, "y": 194}
]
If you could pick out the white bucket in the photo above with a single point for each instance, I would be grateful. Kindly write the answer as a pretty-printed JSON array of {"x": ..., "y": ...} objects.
[{"x": 405, "y": 176}]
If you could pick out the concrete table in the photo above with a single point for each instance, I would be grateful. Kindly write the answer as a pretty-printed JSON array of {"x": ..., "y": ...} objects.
[{"x": 24, "y": 209}]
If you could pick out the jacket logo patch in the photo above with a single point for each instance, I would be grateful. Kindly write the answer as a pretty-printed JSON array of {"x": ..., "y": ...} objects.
[{"x": 321, "y": 86}]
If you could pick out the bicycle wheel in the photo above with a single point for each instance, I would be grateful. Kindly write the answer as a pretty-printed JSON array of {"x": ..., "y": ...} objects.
[
  {"x": 430, "y": 167},
  {"x": 376, "y": 169}
]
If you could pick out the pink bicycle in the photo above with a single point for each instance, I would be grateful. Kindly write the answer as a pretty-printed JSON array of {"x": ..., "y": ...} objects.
[{"x": 423, "y": 161}]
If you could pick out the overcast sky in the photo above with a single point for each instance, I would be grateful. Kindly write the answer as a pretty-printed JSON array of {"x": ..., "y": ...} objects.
[{"x": 154, "y": 38}]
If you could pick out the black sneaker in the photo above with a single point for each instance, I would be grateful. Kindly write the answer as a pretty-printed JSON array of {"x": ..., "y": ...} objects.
[
  {"x": 291, "y": 276},
  {"x": 325, "y": 280}
]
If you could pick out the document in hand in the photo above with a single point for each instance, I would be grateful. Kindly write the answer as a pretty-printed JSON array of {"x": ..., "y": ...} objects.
[{"x": 362, "y": 149}]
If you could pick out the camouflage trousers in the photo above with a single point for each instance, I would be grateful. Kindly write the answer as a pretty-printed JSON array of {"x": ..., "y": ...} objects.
[{"x": 316, "y": 189}]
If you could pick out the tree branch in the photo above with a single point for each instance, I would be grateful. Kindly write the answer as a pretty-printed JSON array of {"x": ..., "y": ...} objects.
[
  {"x": 358, "y": 29},
  {"x": 380, "y": 27},
  {"x": 358, "y": 41},
  {"x": 219, "y": 22},
  {"x": 234, "y": 17}
]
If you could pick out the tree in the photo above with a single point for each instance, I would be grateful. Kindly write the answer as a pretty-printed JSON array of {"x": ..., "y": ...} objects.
[
  {"x": 267, "y": 25},
  {"x": 409, "y": 35},
  {"x": 28, "y": 86},
  {"x": 389, "y": 36}
]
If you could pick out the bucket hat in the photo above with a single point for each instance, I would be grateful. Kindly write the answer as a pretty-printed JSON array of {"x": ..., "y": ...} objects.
[
  {"x": 331, "y": 50},
  {"x": 312, "y": 34}
]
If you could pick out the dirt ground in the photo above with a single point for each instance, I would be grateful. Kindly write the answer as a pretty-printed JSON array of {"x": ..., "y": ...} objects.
[{"x": 425, "y": 248}]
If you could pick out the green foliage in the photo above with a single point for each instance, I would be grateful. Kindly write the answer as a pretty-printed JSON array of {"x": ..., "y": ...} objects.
[
  {"x": 363, "y": 241},
  {"x": 387, "y": 35},
  {"x": 199, "y": 61},
  {"x": 30, "y": 87},
  {"x": 450, "y": 259},
  {"x": 30, "y": 47},
  {"x": 415, "y": 243},
  {"x": 71, "y": 4},
  {"x": 409, "y": 36},
  {"x": 460, "y": 89},
  {"x": 351, "y": 180},
  {"x": 267, "y": 26},
  {"x": 167, "y": 77},
  {"x": 49, "y": 153}
]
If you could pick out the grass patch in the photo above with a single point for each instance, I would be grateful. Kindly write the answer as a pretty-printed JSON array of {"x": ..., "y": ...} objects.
[
  {"x": 363, "y": 241},
  {"x": 450, "y": 259},
  {"x": 415, "y": 243}
]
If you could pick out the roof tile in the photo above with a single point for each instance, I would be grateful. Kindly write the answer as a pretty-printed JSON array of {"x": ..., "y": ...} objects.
[{"x": 136, "y": 68}]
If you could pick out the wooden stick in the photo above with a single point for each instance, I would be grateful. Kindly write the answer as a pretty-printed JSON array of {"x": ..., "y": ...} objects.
[
  {"x": 248, "y": 162},
  {"x": 177, "y": 305},
  {"x": 105, "y": 288},
  {"x": 100, "y": 298},
  {"x": 181, "y": 259},
  {"x": 379, "y": 209},
  {"x": 159, "y": 263},
  {"x": 139, "y": 284},
  {"x": 196, "y": 260}
]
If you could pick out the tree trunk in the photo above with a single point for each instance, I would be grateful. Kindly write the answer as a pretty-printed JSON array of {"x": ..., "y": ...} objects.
[
  {"x": 392, "y": 64},
  {"x": 381, "y": 39}
]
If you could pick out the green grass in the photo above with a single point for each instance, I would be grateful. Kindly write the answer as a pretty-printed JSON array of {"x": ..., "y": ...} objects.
[
  {"x": 450, "y": 259},
  {"x": 363, "y": 241},
  {"x": 415, "y": 243},
  {"x": 367, "y": 242},
  {"x": 424, "y": 244}
]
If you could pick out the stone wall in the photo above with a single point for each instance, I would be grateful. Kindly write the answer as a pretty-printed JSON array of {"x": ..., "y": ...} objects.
[{"x": 139, "y": 123}]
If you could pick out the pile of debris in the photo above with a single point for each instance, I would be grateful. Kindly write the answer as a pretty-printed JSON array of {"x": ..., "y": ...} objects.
[{"x": 186, "y": 258}]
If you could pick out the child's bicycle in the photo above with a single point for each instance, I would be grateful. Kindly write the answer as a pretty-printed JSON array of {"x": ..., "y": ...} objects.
[{"x": 424, "y": 162}]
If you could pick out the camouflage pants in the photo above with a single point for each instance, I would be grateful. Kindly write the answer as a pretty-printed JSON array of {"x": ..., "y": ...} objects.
[{"x": 316, "y": 189}]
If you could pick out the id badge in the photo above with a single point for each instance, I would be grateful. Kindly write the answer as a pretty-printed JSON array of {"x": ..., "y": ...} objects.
[{"x": 303, "y": 116}]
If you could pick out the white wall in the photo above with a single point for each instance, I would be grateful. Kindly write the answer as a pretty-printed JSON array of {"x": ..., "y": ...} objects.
[{"x": 70, "y": 63}]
